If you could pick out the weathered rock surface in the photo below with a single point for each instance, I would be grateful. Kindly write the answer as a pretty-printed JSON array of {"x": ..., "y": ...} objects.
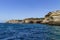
[
  {"x": 52, "y": 18},
  {"x": 33, "y": 20},
  {"x": 27, "y": 20}
]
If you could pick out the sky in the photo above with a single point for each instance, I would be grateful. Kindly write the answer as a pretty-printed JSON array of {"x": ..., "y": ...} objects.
[{"x": 20, "y": 9}]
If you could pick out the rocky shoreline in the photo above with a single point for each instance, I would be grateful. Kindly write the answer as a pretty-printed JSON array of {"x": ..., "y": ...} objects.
[
  {"x": 52, "y": 18},
  {"x": 26, "y": 20}
]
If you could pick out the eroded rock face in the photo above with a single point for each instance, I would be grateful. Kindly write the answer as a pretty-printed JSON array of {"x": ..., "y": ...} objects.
[
  {"x": 27, "y": 20},
  {"x": 33, "y": 20},
  {"x": 52, "y": 18}
]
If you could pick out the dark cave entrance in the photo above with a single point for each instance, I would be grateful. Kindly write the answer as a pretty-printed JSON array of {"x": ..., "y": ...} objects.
[
  {"x": 31, "y": 22},
  {"x": 38, "y": 22}
]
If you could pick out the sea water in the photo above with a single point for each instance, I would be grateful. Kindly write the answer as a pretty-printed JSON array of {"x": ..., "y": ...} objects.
[{"x": 29, "y": 32}]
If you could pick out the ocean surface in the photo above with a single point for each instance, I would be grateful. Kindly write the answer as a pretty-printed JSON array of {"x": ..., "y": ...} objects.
[{"x": 29, "y": 32}]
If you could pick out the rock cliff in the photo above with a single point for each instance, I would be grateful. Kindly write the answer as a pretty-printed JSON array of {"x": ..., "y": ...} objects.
[
  {"x": 52, "y": 18},
  {"x": 27, "y": 20}
]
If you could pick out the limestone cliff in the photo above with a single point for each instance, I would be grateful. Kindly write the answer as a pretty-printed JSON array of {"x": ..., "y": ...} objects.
[
  {"x": 26, "y": 20},
  {"x": 33, "y": 20},
  {"x": 52, "y": 18}
]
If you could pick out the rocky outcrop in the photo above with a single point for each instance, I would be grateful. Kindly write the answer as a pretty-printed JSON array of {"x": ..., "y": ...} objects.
[
  {"x": 27, "y": 20},
  {"x": 52, "y": 18},
  {"x": 33, "y": 20},
  {"x": 14, "y": 21}
]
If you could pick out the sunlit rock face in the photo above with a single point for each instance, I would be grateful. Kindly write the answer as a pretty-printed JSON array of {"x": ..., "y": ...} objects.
[
  {"x": 27, "y": 20},
  {"x": 33, "y": 20},
  {"x": 52, "y": 17}
]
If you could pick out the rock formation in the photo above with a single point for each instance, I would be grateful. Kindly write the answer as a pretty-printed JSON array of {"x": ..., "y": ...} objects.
[
  {"x": 27, "y": 20},
  {"x": 52, "y": 18},
  {"x": 33, "y": 20},
  {"x": 14, "y": 21}
]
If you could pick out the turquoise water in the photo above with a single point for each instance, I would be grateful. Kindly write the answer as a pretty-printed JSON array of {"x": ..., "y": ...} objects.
[{"x": 29, "y": 32}]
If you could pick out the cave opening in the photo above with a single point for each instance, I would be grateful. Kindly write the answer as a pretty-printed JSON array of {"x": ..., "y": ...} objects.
[
  {"x": 31, "y": 22},
  {"x": 38, "y": 22}
]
